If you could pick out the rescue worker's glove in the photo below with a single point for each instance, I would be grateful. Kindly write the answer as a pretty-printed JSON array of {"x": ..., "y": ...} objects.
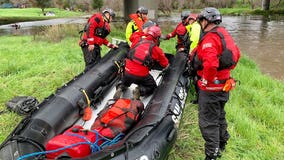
[
  {"x": 162, "y": 73},
  {"x": 166, "y": 68},
  {"x": 82, "y": 43},
  {"x": 163, "y": 37},
  {"x": 189, "y": 71},
  {"x": 113, "y": 46}
]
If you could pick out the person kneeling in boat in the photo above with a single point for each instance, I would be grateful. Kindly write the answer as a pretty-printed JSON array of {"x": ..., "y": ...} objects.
[
  {"x": 94, "y": 35},
  {"x": 139, "y": 61}
]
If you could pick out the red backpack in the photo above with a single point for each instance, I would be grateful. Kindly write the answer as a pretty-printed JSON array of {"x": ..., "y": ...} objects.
[{"x": 118, "y": 117}]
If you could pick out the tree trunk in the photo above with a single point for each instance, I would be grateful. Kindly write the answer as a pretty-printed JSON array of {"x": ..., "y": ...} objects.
[{"x": 265, "y": 5}]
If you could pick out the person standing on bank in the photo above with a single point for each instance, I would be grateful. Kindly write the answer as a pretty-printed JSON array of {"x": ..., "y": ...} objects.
[
  {"x": 138, "y": 63},
  {"x": 194, "y": 30},
  {"x": 217, "y": 54},
  {"x": 136, "y": 22},
  {"x": 181, "y": 32},
  {"x": 94, "y": 35}
]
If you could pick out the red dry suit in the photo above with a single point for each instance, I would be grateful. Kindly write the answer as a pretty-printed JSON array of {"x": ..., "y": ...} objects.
[
  {"x": 141, "y": 51},
  {"x": 182, "y": 35},
  {"x": 96, "y": 31},
  {"x": 136, "y": 37},
  {"x": 209, "y": 50}
]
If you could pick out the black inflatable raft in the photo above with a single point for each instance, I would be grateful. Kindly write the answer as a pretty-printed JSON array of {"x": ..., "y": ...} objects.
[{"x": 151, "y": 138}]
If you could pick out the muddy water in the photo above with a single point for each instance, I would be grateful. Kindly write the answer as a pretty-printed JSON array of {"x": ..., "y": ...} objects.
[{"x": 262, "y": 39}]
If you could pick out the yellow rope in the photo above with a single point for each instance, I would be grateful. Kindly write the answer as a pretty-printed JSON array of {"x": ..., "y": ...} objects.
[
  {"x": 118, "y": 66},
  {"x": 87, "y": 98}
]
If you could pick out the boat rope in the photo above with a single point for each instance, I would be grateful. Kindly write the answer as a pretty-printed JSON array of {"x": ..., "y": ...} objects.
[
  {"x": 87, "y": 111},
  {"x": 120, "y": 69},
  {"x": 107, "y": 141},
  {"x": 87, "y": 98},
  {"x": 94, "y": 146}
]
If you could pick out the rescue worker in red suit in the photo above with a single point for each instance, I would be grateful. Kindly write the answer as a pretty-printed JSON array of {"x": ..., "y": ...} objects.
[
  {"x": 139, "y": 62},
  {"x": 95, "y": 33},
  {"x": 213, "y": 77},
  {"x": 183, "y": 41}
]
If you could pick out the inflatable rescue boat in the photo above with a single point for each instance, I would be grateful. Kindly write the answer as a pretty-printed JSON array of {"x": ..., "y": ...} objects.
[{"x": 46, "y": 132}]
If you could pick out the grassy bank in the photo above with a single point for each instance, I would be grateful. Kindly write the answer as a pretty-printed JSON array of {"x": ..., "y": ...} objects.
[
  {"x": 36, "y": 67},
  {"x": 30, "y": 14}
]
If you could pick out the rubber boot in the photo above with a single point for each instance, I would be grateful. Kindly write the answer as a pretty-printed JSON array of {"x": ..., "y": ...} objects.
[
  {"x": 222, "y": 146},
  {"x": 118, "y": 93},
  {"x": 136, "y": 94},
  {"x": 210, "y": 157}
]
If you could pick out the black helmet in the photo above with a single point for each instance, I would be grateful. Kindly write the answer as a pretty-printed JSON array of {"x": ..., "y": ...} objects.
[
  {"x": 211, "y": 14},
  {"x": 110, "y": 11},
  {"x": 142, "y": 10},
  {"x": 184, "y": 15},
  {"x": 148, "y": 24}
]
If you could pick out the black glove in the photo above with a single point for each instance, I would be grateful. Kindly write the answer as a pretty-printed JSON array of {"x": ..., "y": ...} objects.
[
  {"x": 189, "y": 71},
  {"x": 166, "y": 68}
]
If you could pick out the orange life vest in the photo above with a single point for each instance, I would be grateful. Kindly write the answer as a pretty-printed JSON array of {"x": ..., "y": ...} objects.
[{"x": 118, "y": 117}]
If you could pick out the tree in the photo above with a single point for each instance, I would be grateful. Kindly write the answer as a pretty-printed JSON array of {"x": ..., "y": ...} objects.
[
  {"x": 97, "y": 4},
  {"x": 43, "y": 4},
  {"x": 265, "y": 5}
]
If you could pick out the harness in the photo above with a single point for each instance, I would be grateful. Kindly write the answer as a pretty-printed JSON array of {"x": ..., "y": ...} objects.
[
  {"x": 102, "y": 32},
  {"x": 226, "y": 58},
  {"x": 185, "y": 41},
  {"x": 140, "y": 56}
]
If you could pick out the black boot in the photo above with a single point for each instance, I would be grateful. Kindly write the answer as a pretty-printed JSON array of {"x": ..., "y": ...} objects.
[
  {"x": 222, "y": 146},
  {"x": 136, "y": 93},
  {"x": 210, "y": 157}
]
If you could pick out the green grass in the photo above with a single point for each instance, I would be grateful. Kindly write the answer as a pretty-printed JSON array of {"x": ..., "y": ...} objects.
[
  {"x": 36, "y": 12},
  {"x": 235, "y": 11},
  {"x": 12, "y": 15},
  {"x": 37, "y": 66}
]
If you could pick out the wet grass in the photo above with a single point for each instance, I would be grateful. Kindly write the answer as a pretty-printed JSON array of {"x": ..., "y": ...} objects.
[
  {"x": 31, "y": 14},
  {"x": 35, "y": 66}
]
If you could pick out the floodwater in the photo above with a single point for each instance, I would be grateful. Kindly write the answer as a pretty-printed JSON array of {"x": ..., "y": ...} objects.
[{"x": 261, "y": 39}]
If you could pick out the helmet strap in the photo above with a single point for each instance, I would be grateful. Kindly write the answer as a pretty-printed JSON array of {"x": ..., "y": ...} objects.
[
  {"x": 140, "y": 15},
  {"x": 105, "y": 18}
]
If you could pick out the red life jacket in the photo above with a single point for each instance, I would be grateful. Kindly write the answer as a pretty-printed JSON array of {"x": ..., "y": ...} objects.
[
  {"x": 96, "y": 30},
  {"x": 230, "y": 55},
  {"x": 141, "y": 53},
  {"x": 183, "y": 39},
  {"x": 118, "y": 117},
  {"x": 102, "y": 29}
]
